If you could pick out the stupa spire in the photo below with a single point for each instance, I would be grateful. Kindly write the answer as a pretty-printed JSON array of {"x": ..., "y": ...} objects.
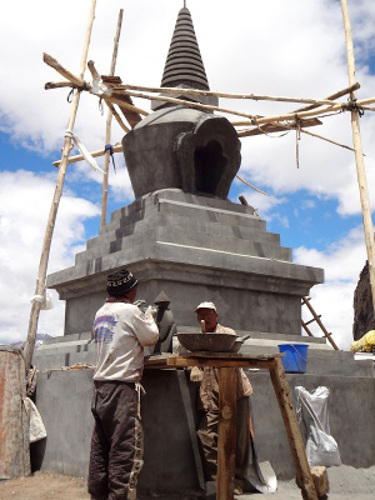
[{"x": 184, "y": 66}]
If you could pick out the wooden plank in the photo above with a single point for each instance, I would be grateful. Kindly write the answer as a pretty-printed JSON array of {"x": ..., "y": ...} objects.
[
  {"x": 211, "y": 359},
  {"x": 133, "y": 117},
  {"x": 226, "y": 455},
  {"x": 228, "y": 355},
  {"x": 303, "y": 474}
]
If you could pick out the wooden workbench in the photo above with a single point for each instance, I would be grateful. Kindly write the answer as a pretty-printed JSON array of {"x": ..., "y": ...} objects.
[{"x": 225, "y": 363}]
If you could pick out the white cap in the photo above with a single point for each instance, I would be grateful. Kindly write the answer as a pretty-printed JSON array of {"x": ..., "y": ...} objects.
[{"x": 205, "y": 305}]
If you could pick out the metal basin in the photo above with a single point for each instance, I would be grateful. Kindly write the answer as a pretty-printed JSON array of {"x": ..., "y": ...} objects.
[
  {"x": 239, "y": 342},
  {"x": 217, "y": 342}
]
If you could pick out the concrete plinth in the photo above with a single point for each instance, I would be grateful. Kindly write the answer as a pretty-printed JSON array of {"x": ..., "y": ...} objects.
[{"x": 170, "y": 415}]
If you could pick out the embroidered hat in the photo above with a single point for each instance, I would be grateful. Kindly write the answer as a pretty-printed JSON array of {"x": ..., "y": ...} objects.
[
  {"x": 205, "y": 305},
  {"x": 120, "y": 282}
]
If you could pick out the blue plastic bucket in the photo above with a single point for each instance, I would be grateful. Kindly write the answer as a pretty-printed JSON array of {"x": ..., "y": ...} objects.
[{"x": 295, "y": 359}]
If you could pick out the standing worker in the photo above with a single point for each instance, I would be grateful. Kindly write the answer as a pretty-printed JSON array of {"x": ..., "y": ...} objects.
[
  {"x": 121, "y": 331},
  {"x": 209, "y": 398}
]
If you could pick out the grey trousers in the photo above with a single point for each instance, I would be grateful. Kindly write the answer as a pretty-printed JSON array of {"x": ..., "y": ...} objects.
[{"x": 116, "y": 455}]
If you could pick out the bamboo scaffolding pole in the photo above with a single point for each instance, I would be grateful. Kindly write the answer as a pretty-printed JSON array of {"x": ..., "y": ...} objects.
[
  {"x": 321, "y": 137},
  {"x": 255, "y": 119},
  {"x": 361, "y": 173},
  {"x": 364, "y": 102},
  {"x": 108, "y": 125},
  {"x": 253, "y": 97},
  {"x": 57, "y": 85},
  {"x": 251, "y": 185},
  {"x": 53, "y": 63},
  {"x": 117, "y": 148},
  {"x": 314, "y": 110},
  {"x": 117, "y": 116},
  {"x": 77, "y": 82},
  {"x": 333, "y": 97},
  {"x": 40, "y": 288},
  {"x": 121, "y": 102}
]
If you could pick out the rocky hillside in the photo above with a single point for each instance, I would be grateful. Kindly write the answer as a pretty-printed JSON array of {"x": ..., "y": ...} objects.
[{"x": 364, "y": 319}]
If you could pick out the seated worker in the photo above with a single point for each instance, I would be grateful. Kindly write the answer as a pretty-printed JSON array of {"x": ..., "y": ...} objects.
[{"x": 209, "y": 398}]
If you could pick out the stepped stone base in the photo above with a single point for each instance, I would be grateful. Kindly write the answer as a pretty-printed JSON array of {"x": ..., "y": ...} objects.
[{"x": 193, "y": 248}]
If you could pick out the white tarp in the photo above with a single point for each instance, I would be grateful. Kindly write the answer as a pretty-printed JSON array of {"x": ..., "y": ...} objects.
[{"x": 37, "y": 428}]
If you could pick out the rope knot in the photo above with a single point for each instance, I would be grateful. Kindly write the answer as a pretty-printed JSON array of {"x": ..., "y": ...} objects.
[
  {"x": 109, "y": 147},
  {"x": 353, "y": 106}
]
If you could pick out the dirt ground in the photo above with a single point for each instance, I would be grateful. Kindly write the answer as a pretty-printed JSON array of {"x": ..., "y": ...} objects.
[
  {"x": 346, "y": 483},
  {"x": 44, "y": 487}
]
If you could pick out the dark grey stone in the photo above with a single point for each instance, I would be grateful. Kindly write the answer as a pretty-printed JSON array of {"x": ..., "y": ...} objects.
[{"x": 182, "y": 148}]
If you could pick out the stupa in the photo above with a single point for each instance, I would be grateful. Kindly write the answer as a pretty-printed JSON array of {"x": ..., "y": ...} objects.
[{"x": 182, "y": 234}]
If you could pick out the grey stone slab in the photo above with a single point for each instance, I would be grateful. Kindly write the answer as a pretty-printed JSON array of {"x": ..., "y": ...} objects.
[
  {"x": 211, "y": 215},
  {"x": 194, "y": 199}
]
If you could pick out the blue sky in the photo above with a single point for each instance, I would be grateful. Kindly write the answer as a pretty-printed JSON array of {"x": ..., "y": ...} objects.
[{"x": 291, "y": 48}]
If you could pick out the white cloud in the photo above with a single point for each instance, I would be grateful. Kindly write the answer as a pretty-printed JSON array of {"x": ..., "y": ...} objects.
[
  {"x": 25, "y": 200},
  {"x": 342, "y": 264}
]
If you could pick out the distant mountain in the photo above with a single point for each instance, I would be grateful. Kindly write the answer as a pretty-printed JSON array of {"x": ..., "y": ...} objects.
[{"x": 40, "y": 338}]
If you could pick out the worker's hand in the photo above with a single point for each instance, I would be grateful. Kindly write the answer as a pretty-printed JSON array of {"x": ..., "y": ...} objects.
[
  {"x": 151, "y": 311},
  {"x": 196, "y": 374},
  {"x": 141, "y": 304}
]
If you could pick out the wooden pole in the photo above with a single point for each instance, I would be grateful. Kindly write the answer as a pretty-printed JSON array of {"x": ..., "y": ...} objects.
[
  {"x": 226, "y": 450},
  {"x": 255, "y": 119},
  {"x": 284, "y": 398},
  {"x": 334, "y": 96},
  {"x": 253, "y": 97},
  {"x": 360, "y": 166},
  {"x": 103, "y": 221},
  {"x": 40, "y": 287},
  {"x": 53, "y": 63}
]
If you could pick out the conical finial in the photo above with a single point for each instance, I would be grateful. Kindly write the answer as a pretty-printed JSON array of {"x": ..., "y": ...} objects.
[{"x": 184, "y": 66}]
